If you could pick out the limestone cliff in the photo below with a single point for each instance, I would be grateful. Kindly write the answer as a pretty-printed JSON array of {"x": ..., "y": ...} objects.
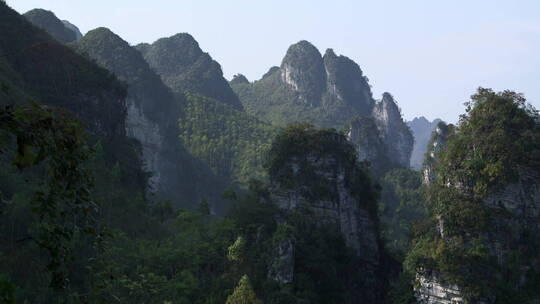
[
  {"x": 315, "y": 174},
  {"x": 395, "y": 133},
  {"x": 346, "y": 83},
  {"x": 302, "y": 69},
  {"x": 363, "y": 133},
  {"x": 325, "y": 90},
  {"x": 340, "y": 207},
  {"x": 151, "y": 118},
  {"x": 328, "y": 91}
]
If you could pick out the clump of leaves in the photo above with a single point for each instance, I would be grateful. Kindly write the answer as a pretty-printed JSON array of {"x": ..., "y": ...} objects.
[
  {"x": 243, "y": 293},
  {"x": 50, "y": 138}
]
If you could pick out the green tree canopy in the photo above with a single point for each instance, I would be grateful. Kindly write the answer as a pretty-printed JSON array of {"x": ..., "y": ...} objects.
[{"x": 243, "y": 293}]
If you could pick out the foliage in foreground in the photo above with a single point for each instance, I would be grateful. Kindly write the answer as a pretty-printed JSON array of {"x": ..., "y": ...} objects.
[{"x": 495, "y": 144}]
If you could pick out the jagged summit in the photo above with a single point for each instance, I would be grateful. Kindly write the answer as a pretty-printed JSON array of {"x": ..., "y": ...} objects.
[
  {"x": 302, "y": 52},
  {"x": 346, "y": 82},
  {"x": 388, "y": 105},
  {"x": 184, "y": 66},
  {"x": 326, "y": 90},
  {"x": 396, "y": 134},
  {"x": 113, "y": 53},
  {"x": 330, "y": 91},
  {"x": 329, "y": 52},
  {"x": 303, "y": 70},
  {"x": 48, "y": 21}
]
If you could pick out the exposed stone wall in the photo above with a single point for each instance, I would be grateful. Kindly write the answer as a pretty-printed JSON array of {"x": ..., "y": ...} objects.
[
  {"x": 432, "y": 290},
  {"x": 355, "y": 223},
  {"x": 147, "y": 132},
  {"x": 395, "y": 133}
]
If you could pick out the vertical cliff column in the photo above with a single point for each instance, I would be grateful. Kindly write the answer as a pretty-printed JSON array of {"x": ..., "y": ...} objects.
[
  {"x": 395, "y": 133},
  {"x": 315, "y": 173}
]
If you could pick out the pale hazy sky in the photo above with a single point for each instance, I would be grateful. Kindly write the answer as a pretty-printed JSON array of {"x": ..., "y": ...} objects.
[{"x": 431, "y": 54}]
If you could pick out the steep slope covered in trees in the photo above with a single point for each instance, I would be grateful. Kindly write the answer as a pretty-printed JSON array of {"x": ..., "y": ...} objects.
[
  {"x": 41, "y": 254},
  {"x": 151, "y": 118},
  {"x": 184, "y": 67},
  {"x": 231, "y": 142},
  {"x": 481, "y": 242},
  {"x": 62, "y": 31}
]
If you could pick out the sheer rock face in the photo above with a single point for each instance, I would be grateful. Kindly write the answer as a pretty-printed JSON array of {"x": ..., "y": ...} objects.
[
  {"x": 144, "y": 121},
  {"x": 303, "y": 71},
  {"x": 432, "y": 290},
  {"x": 151, "y": 115},
  {"x": 326, "y": 90},
  {"x": 395, "y": 133},
  {"x": 346, "y": 83},
  {"x": 325, "y": 81},
  {"x": 183, "y": 66},
  {"x": 362, "y": 132},
  {"x": 351, "y": 216},
  {"x": 48, "y": 21}
]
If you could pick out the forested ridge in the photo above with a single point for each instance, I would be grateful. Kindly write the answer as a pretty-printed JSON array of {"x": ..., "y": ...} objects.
[{"x": 138, "y": 174}]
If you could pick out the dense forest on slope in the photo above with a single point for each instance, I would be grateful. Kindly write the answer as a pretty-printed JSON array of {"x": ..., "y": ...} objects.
[
  {"x": 183, "y": 66},
  {"x": 152, "y": 114},
  {"x": 137, "y": 175},
  {"x": 48, "y": 21},
  {"x": 224, "y": 138},
  {"x": 132, "y": 229},
  {"x": 231, "y": 142},
  {"x": 401, "y": 206}
]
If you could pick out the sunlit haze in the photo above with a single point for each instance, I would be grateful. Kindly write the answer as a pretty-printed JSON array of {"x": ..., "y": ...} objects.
[{"x": 431, "y": 55}]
